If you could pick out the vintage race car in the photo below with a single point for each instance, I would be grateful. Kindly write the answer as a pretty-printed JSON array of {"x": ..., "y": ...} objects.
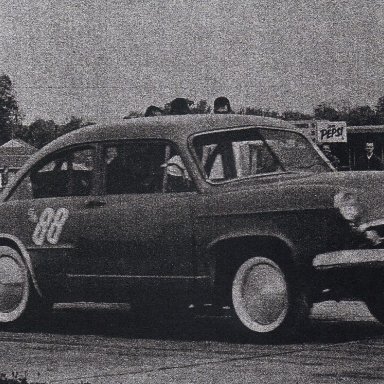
[{"x": 235, "y": 211}]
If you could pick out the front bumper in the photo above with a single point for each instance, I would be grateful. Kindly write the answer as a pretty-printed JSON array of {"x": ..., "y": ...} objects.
[{"x": 349, "y": 258}]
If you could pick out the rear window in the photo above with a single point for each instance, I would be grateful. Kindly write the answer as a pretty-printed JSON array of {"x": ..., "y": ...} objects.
[{"x": 67, "y": 173}]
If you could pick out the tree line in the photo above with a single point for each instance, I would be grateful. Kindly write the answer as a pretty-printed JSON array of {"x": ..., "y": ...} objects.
[{"x": 41, "y": 132}]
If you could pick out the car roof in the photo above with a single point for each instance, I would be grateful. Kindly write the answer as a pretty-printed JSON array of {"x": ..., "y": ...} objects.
[
  {"x": 178, "y": 128},
  {"x": 175, "y": 128}
]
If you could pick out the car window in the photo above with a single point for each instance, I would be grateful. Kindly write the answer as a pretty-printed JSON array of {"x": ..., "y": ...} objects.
[
  {"x": 143, "y": 167},
  {"x": 294, "y": 151},
  {"x": 236, "y": 158},
  {"x": 68, "y": 173},
  {"x": 250, "y": 152}
]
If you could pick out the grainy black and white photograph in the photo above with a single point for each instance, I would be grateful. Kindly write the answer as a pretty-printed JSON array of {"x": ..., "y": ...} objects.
[{"x": 191, "y": 191}]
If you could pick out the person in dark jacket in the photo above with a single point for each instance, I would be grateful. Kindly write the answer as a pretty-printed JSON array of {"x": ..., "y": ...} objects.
[
  {"x": 179, "y": 106},
  {"x": 221, "y": 105},
  {"x": 369, "y": 161}
]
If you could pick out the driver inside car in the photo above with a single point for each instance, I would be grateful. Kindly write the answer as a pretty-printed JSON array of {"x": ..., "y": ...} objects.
[{"x": 178, "y": 178}]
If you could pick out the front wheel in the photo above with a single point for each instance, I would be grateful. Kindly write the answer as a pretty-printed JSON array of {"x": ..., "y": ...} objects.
[{"x": 266, "y": 301}]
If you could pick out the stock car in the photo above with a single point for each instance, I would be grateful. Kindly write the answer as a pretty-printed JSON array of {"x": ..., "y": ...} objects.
[{"x": 240, "y": 212}]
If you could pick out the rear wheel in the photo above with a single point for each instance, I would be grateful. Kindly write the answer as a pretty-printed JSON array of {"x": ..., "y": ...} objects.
[
  {"x": 18, "y": 301},
  {"x": 265, "y": 301}
]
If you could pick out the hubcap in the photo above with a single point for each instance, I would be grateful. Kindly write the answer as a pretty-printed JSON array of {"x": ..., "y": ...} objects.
[
  {"x": 260, "y": 295},
  {"x": 12, "y": 284}
]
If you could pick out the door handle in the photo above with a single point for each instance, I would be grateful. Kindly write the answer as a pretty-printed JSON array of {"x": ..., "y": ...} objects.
[{"x": 95, "y": 203}]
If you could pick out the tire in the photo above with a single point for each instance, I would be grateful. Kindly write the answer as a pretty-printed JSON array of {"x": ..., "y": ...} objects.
[
  {"x": 266, "y": 303},
  {"x": 18, "y": 301}
]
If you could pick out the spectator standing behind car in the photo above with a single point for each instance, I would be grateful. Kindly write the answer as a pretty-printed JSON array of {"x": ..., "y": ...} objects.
[
  {"x": 152, "y": 110},
  {"x": 221, "y": 105},
  {"x": 326, "y": 149},
  {"x": 179, "y": 106},
  {"x": 369, "y": 161}
]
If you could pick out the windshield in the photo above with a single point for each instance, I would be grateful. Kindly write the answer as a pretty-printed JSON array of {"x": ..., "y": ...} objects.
[{"x": 249, "y": 152}]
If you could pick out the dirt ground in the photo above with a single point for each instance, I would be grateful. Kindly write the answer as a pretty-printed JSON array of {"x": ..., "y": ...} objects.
[{"x": 101, "y": 344}]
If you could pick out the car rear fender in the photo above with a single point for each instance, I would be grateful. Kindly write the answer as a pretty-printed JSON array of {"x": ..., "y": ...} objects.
[{"x": 14, "y": 242}]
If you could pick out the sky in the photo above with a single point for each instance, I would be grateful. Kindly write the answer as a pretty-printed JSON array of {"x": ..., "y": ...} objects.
[{"x": 105, "y": 58}]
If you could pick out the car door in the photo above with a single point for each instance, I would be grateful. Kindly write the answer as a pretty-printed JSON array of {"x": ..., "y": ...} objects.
[
  {"x": 137, "y": 235},
  {"x": 45, "y": 210}
]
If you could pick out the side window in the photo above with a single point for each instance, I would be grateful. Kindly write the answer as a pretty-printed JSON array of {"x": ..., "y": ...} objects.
[
  {"x": 133, "y": 167},
  {"x": 142, "y": 167},
  {"x": 69, "y": 173}
]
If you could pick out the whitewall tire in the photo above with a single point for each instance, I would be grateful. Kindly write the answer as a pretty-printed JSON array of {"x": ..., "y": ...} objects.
[
  {"x": 264, "y": 301},
  {"x": 15, "y": 289}
]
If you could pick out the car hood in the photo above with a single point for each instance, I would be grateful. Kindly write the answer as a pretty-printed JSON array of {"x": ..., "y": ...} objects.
[
  {"x": 365, "y": 180},
  {"x": 368, "y": 187},
  {"x": 314, "y": 191}
]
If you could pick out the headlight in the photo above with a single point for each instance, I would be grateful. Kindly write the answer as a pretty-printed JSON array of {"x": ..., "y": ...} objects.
[{"x": 348, "y": 205}]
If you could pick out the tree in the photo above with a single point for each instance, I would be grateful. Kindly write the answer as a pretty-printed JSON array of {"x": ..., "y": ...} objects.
[
  {"x": 325, "y": 111},
  {"x": 73, "y": 123},
  {"x": 256, "y": 111},
  {"x": 251, "y": 111},
  {"x": 22, "y": 132},
  {"x": 380, "y": 105},
  {"x": 41, "y": 132},
  {"x": 363, "y": 115},
  {"x": 201, "y": 107},
  {"x": 380, "y": 110},
  {"x": 295, "y": 115},
  {"x": 9, "y": 111}
]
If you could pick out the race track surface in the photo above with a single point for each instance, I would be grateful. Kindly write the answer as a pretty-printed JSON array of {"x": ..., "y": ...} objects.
[{"x": 104, "y": 344}]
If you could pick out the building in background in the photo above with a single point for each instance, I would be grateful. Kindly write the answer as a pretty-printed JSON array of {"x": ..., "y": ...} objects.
[
  {"x": 346, "y": 142},
  {"x": 13, "y": 154},
  {"x": 323, "y": 131}
]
